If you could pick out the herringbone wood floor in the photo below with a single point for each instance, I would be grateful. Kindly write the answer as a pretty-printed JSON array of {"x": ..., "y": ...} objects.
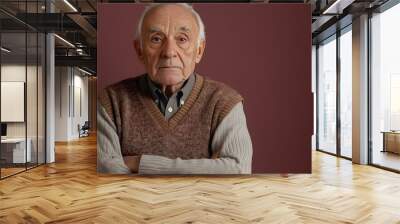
[{"x": 70, "y": 191}]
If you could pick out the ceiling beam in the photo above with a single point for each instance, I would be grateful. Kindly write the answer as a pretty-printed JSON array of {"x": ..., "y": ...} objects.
[{"x": 85, "y": 61}]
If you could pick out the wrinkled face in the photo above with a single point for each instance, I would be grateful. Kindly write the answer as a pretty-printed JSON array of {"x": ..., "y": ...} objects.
[{"x": 169, "y": 48}]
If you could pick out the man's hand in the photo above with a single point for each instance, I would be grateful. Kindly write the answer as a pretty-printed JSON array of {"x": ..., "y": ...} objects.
[{"x": 132, "y": 162}]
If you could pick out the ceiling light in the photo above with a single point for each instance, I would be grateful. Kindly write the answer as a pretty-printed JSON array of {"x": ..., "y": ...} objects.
[
  {"x": 65, "y": 41},
  {"x": 338, "y": 6},
  {"x": 5, "y": 50},
  {"x": 84, "y": 71},
  {"x": 70, "y": 5}
]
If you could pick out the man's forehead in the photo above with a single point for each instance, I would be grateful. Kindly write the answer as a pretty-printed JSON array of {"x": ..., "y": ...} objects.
[{"x": 164, "y": 17}]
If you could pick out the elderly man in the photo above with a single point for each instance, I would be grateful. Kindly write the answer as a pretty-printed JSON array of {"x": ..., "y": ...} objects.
[{"x": 172, "y": 120}]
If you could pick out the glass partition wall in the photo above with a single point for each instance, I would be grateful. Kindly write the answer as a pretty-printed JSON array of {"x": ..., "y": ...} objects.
[
  {"x": 334, "y": 94},
  {"x": 385, "y": 89},
  {"x": 345, "y": 65},
  {"x": 327, "y": 95},
  {"x": 22, "y": 78}
]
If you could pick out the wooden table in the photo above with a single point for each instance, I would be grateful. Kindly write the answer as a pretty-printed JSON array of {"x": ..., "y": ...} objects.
[{"x": 391, "y": 141}]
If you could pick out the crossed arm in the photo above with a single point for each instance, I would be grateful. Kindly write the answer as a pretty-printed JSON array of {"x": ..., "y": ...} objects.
[{"x": 231, "y": 137}]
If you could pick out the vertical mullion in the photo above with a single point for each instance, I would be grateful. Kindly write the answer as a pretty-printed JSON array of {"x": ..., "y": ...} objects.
[
  {"x": 338, "y": 92},
  {"x": 317, "y": 96},
  {"x": 37, "y": 89},
  {"x": 26, "y": 86},
  {"x": 369, "y": 91},
  {"x": 46, "y": 3}
]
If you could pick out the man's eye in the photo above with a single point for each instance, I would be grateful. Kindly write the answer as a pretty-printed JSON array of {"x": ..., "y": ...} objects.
[
  {"x": 156, "y": 39},
  {"x": 182, "y": 39}
]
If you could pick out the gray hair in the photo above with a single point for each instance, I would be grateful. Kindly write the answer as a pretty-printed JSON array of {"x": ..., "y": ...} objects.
[{"x": 200, "y": 24}]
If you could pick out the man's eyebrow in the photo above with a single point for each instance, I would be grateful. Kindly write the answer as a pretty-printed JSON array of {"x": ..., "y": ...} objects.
[
  {"x": 154, "y": 30},
  {"x": 184, "y": 29}
]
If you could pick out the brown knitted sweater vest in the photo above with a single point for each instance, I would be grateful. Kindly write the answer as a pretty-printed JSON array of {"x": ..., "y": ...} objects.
[{"x": 142, "y": 128}]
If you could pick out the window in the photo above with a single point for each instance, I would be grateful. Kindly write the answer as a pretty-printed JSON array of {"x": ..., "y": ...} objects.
[
  {"x": 327, "y": 95},
  {"x": 385, "y": 88},
  {"x": 346, "y": 93}
]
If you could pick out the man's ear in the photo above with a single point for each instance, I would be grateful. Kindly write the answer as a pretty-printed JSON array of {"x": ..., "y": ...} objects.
[
  {"x": 138, "y": 49},
  {"x": 200, "y": 51}
]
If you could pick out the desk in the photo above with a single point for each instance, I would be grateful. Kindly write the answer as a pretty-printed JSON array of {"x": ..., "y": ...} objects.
[
  {"x": 391, "y": 141},
  {"x": 13, "y": 150}
]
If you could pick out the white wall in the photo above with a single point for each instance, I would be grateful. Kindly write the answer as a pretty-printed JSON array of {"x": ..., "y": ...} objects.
[
  {"x": 80, "y": 98},
  {"x": 70, "y": 84},
  {"x": 15, "y": 72},
  {"x": 62, "y": 80}
]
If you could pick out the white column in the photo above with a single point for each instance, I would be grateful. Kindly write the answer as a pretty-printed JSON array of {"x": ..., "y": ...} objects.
[
  {"x": 50, "y": 93},
  {"x": 50, "y": 108},
  {"x": 360, "y": 90}
]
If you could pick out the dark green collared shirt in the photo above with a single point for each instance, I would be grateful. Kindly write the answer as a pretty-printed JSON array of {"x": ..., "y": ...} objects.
[{"x": 169, "y": 106}]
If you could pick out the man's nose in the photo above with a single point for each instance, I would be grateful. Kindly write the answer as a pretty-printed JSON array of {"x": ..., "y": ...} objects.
[{"x": 169, "y": 49}]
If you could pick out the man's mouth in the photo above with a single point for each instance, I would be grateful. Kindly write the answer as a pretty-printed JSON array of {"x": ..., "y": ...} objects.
[{"x": 177, "y": 67}]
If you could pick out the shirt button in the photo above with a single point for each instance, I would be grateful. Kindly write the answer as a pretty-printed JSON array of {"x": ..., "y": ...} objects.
[{"x": 170, "y": 109}]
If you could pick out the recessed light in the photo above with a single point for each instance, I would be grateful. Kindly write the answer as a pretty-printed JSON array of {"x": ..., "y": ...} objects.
[
  {"x": 5, "y": 50},
  {"x": 84, "y": 71},
  {"x": 70, "y": 5},
  {"x": 64, "y": 40}
]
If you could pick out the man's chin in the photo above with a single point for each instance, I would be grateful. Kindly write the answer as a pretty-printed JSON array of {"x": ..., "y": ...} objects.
[{"x": 169, "y": 79}]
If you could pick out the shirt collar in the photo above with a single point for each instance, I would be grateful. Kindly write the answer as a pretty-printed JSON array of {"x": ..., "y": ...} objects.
[{"x": 182, "y": 94}]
